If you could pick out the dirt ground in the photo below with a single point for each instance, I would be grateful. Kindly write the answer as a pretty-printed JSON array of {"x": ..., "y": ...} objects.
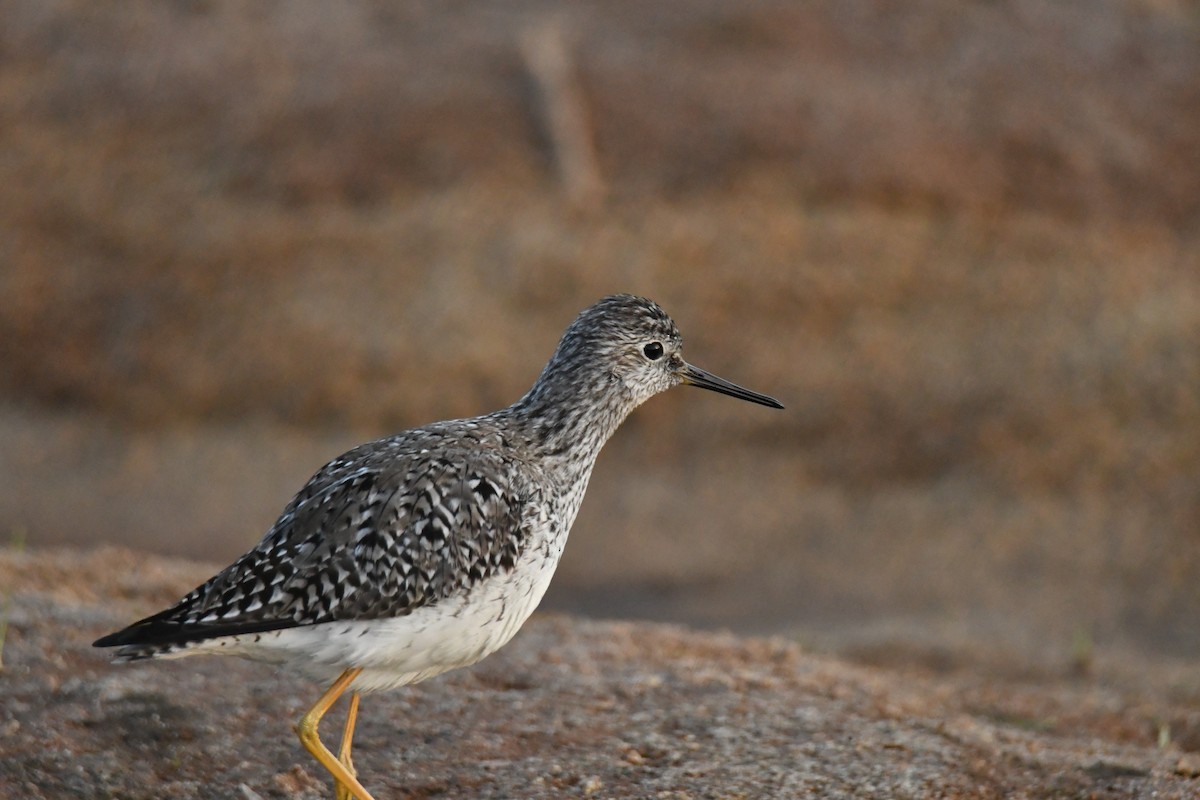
[{"x": 571, "y": 708}]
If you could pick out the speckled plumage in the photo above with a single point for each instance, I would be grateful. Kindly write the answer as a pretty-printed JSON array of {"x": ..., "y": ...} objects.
[{"x": 427, "y": 550}]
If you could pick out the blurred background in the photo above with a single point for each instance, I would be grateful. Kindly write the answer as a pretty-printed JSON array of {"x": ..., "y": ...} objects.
[{"x": 960, "y": 242}]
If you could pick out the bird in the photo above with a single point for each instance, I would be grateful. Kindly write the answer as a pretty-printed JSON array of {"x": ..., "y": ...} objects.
[{"x": 427, "y": 550}]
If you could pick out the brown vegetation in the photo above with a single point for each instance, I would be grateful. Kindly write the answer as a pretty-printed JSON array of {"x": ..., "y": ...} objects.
[{"x": 959, "y": 242}]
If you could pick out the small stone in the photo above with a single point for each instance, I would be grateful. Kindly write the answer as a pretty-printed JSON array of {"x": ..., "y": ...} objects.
[
  {"x": 249, "y": 793},
  {"x": 1188, "y": 766}
]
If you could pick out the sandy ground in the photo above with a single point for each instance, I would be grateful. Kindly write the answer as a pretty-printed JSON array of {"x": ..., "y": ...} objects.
[{"x": 571, "y": 708}]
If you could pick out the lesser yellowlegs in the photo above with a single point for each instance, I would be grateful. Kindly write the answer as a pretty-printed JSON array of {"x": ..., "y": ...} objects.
[{"x": 426, "y": 551}]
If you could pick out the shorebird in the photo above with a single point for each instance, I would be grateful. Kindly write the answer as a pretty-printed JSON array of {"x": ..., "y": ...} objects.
[{"x": 427, "y": 550}]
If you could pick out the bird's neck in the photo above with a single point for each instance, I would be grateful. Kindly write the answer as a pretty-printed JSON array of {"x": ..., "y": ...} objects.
[{"x": 569, "y": 415}]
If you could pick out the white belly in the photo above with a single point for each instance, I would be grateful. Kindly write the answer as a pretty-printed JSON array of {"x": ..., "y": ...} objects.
[{"x": 452, "y": 633}]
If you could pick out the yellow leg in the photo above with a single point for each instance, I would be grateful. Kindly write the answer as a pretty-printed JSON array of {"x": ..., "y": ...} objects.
[
  {"x": 307, "y": 729},
  {"x": 343, "y": 793}
]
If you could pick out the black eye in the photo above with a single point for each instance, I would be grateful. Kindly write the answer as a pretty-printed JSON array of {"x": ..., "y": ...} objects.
[{"x": 653, "y": 351}]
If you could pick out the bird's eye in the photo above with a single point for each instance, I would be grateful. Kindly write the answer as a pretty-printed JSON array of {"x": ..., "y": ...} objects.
[{"x": 653, "y": 351}]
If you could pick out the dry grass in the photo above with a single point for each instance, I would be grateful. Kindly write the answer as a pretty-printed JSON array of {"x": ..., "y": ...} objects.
[{"x": 959, "y": 242}]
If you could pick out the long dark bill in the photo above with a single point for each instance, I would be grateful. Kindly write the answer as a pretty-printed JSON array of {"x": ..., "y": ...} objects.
[{"x": 694, "y": 376}]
